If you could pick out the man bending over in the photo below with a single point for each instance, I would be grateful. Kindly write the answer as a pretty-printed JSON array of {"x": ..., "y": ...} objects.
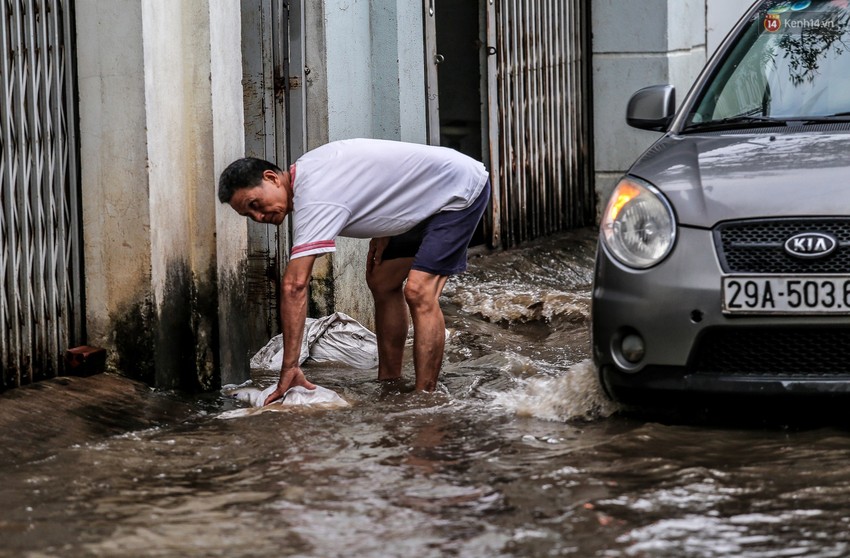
[{"x": 419, "y": 205}]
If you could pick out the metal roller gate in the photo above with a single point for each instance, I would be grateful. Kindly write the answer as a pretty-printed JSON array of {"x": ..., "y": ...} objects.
[
  {"x": 40, "y": 262},
  {"x": 539, "y": 117}
]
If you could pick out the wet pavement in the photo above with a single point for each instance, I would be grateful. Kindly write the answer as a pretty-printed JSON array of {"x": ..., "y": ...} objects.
[{"x": 518, "y": 454}]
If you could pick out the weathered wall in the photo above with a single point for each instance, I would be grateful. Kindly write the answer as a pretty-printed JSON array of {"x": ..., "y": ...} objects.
[
  {"x": 179, "y": 142},
  {"x": 373, "y": 85},
  {"x": 231, "y": 232},
  {"x": 113, "y": 155},
  {"x": 150, "y": 152}
]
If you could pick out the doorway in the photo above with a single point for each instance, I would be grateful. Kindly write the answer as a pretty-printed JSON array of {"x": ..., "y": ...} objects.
[
  {"x": 459, "y": 76},
  {"x": 510, "y": 84},
  {"x": 455, "y": 38}
]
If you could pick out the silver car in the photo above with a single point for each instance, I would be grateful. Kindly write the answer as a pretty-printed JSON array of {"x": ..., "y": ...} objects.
[{"x": 724, "y": 253}]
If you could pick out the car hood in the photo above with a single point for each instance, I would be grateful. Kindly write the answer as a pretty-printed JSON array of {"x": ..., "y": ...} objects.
[{"x": 713, "y": 178}]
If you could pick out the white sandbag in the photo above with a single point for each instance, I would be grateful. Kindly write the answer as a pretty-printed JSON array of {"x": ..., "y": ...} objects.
[
  {"x": 337, "y": 337},
  {"x": 341, "y": 338},
  {"x": 270, "y": 357},
  {"x": 298, "y": 395}
]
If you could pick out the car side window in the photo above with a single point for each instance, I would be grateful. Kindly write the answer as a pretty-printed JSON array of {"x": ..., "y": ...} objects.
[
  {"x": 748, "y": 90},
  {"x": 737, "y": 85}
]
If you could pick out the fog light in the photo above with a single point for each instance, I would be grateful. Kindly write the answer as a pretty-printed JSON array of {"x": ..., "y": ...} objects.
[{"x": 633, "y": 348}]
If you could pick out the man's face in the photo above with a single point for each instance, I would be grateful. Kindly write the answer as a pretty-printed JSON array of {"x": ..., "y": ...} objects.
[{"x": 269, "y": 202}]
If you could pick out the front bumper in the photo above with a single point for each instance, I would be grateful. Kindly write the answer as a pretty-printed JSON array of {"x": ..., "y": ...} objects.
[{"x": 691, "y": 346}]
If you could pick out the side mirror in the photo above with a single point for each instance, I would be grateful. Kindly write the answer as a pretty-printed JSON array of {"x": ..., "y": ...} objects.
[{"x": 652, "y": 108}]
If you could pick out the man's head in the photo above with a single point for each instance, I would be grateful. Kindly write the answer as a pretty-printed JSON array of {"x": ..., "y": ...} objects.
[{"x": 257, "y": 189}]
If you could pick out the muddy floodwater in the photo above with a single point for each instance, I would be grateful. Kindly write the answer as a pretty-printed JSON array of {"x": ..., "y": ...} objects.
[{"x": 518, "y": 455}]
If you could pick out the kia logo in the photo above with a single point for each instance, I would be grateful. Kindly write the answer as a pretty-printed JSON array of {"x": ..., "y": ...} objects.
[{"x": 811, "y": 245}]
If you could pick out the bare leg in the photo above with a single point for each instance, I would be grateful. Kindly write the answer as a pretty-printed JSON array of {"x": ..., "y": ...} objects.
[
  {"x": 386, "y": 281},
  {"x": 422, "y": 293}
]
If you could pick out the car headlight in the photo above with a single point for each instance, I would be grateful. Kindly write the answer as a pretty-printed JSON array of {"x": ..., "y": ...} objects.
[{"x": 638, "y": 226}]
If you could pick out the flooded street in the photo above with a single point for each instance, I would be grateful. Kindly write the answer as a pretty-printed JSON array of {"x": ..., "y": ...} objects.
[{"x": 518, "y": 454}]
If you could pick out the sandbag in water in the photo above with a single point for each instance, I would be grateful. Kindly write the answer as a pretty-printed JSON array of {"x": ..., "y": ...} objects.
[
  {"x": 298, "y": 395},
  {"x": 337, "y": 337}
]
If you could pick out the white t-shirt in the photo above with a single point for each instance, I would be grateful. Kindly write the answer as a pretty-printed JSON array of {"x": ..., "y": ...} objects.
[{"x": 367, "y": 188}]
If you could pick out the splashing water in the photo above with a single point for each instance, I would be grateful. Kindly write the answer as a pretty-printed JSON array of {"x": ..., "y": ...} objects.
[
  {"x": 535, "y": 307},
  {"x": 574, "y": 395}
]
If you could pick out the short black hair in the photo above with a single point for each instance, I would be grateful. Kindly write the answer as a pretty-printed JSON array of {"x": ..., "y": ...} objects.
[{"x": 242, "y": 173}]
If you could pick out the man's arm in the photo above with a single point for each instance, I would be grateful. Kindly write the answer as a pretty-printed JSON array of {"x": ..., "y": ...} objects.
[{"x": 293, "y": 313}]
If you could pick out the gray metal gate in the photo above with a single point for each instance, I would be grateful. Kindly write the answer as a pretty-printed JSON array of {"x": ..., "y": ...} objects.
[
  {"x": 40, "y": 263},
  {"x": 265, "y": 60},
  {"x": 539, "y": 122}
]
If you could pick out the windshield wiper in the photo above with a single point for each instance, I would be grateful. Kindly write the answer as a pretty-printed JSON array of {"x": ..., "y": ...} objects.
[
  {"x": 837, "y": 117},
  {"x": 736, "y": 122}
]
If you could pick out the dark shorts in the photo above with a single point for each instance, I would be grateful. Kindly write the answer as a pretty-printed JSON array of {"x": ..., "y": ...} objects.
[{"x": 438, "y": 244}]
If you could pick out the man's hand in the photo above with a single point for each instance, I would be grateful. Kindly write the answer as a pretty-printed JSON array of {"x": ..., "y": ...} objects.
[
  {"x": 289, "y": 377},
  {"x": 376, "y": 251},
  {"x": 293, "y": 312}
]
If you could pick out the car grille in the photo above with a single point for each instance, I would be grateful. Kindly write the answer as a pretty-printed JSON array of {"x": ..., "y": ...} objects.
[
  {"x": 758, "y": 246},
  {"x": 774, "y": 352}
]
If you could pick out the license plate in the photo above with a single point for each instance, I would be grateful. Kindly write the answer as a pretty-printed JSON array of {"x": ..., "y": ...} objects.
[{"x": 786, "y": 295}]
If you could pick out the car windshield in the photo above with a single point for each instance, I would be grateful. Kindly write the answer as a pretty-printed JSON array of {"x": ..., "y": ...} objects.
[{"x": 792, "y": 62}]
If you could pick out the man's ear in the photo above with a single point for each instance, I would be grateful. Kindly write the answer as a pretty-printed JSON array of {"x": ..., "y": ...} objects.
[
  {"x": 276, "y": 178},
  {"x": 271, "y": 175}
]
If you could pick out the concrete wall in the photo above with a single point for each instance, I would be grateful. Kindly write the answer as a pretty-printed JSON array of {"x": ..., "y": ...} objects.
[
  {"x": 664, "y": 41},
  {"x": 231, "y": 233},
  {"x": 721, "y": 16},
  {"x": 367, "y": 68},
  {"x": 113, "y": 154},
  {"x": 637, "y": 44},
  {"x": 155, "y": 129}
]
